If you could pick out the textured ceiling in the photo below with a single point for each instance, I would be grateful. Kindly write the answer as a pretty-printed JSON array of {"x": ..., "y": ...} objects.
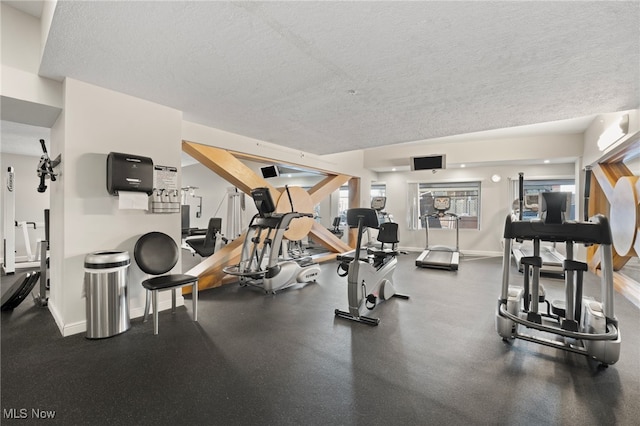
[{"x": 326, "y": 77}]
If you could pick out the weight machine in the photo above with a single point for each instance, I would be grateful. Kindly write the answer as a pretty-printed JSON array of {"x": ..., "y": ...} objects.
[
  {"x": 235, "y": 207},
  {"x": 10, "y": 262},
  {"x": 26, "y": 282}
]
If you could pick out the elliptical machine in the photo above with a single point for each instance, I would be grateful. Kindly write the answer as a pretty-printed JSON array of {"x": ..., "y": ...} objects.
[
  {"x": 369, "y": 280},
  {"x": 580, "y": 324},
  {"x": 260, "y": 263}
]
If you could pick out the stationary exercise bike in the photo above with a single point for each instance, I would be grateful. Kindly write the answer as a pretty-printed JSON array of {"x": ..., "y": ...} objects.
[
  {"x": 260, "y": 262},
  {"x": 377, "y": 204},
  {"x": 369, "y": 279}
]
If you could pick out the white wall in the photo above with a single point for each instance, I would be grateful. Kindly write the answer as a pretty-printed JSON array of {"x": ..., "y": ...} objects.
[
  {"x": 523, "y": 150},
  {"x": 26, "y": 97},
  {"x": 26, "y": 54},
  {"x": 84, "y": 217}
]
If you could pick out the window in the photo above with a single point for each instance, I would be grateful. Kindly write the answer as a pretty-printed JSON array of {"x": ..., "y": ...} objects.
[
  {"x": 377, "y": 190},
  {"x": 534, "y": 187},
  {"x": 463, "y": 199},
  {"x": 343, "y": 204}
]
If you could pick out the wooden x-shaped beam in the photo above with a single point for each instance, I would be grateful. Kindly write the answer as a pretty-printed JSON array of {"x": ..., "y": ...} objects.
[
  {"x": 608, "y": 176},
  {"x": 229, "y": 167},
  {"x": 613, "y": 194}
]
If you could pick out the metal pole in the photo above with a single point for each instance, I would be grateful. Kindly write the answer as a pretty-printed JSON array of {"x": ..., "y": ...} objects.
[{"x": 587, "y": 191}]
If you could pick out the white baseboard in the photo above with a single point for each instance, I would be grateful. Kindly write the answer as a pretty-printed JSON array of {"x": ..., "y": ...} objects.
[
  {"x": 81, "y": 326},
  {"x": 56, "y": 316}
]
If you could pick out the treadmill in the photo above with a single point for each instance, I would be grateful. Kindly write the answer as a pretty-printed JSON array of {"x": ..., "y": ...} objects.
[
  {"x": 440, "y": 257},
  {"x": 552, "y": 259}
]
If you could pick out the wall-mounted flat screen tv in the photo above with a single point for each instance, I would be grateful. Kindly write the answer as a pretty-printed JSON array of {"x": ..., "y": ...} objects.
[{"x": 430, "y": 162}]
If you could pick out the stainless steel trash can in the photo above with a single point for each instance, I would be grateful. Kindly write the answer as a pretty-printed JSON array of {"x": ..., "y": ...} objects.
[{"x": 105, "y": 280}]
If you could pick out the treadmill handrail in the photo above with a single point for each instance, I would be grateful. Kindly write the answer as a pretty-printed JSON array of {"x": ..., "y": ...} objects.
[{"x": 456, "y": 220}]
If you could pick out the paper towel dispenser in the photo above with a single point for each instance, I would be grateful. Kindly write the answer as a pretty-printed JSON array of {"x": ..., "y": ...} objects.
[{"x": 128, "y": 172}]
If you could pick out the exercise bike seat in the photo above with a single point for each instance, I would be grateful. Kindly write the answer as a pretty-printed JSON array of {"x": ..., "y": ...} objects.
[{"x": 387, "y": 234}]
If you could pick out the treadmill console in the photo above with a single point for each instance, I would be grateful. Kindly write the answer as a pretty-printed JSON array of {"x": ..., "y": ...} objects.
[
  {"x": 442, "y": 204},
  {"x": 378, "y": 203}
]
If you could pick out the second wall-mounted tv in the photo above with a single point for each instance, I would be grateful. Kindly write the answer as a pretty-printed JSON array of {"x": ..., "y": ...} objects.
[{"x": 429, "y": 162}]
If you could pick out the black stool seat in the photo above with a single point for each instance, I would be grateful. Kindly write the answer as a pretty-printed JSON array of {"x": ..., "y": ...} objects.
[{"x": 168, "y": 281}]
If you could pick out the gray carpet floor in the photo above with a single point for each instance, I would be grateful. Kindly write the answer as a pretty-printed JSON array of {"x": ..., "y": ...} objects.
[{"x": 256, "y": 359}]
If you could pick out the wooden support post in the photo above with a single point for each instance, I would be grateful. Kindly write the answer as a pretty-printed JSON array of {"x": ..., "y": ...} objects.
[{"x": 354, "y": 202}]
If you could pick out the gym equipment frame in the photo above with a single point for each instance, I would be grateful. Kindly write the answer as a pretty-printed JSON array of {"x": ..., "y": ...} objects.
[
  {"x": 440, "y": 257},
  {"x": 263, "y": 243},
  {"x": 552, "y": 259},
  {"x": 369, "y": 279},
  {"x": 585, "y": 326}
]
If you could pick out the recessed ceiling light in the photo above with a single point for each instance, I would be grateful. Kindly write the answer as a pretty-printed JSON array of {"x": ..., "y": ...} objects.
[
  {"x": 289, "y": 175},
  {"x": 547, "y": 161},
  {"x": 393, "y": 169},
  {"x": 463, "y": 165}
]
